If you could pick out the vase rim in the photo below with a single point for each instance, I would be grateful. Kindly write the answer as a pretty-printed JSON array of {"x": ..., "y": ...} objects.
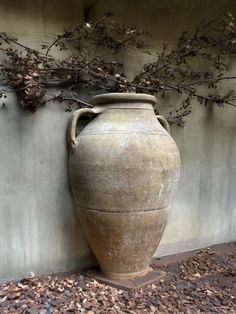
[{"x": 123, "y": 97}]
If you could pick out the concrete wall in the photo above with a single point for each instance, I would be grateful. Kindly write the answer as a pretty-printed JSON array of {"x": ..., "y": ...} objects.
[{"x": 39, "y": 229}]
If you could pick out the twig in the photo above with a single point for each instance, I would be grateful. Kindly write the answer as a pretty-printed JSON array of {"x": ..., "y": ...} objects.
[
  {"x": 195, "y": 95},
  {"x": 213, "y": 80},
  {"x": 50, "y": 47},
  {"x": 60, "y": 97}
]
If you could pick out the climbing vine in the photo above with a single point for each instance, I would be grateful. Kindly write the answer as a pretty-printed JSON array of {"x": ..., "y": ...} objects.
[{"x": 194, "y": 67}]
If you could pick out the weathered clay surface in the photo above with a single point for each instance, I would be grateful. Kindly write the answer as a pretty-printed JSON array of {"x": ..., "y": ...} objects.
[
  {"x": 124, "y": 240},
  {"x": 124, "y": 167}
]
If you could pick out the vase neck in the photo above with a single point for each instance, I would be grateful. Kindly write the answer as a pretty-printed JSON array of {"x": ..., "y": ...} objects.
[{"x": 128, "y": 105}]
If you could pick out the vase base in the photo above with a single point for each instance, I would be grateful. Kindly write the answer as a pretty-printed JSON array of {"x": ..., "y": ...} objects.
[
  {"x": 126, "y": 276},
  {"x": 148, "y": 277}
]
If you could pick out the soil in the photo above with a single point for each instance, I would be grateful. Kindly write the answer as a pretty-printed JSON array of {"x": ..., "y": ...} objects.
[{"x": 195, "y": 282}]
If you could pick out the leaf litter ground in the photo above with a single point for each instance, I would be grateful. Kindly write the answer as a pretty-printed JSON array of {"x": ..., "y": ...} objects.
[{"x": 199, "y": 282}]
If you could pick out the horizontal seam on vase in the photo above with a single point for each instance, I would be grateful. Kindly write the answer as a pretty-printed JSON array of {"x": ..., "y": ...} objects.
[
  {"x": 113, "y": 132},
  {"x": 116, "y": 211}
]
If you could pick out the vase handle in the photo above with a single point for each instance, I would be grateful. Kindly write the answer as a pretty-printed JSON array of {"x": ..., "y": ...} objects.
[
  {"x": 164, "y": 123},
  {"x": 71, "y": 131}
]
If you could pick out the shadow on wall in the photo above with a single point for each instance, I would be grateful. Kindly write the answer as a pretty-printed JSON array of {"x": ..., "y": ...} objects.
[
  {"x": 40, "y": 16},
  {"x": 217, "y": 175},
  {"x": 75, "y": 238}
]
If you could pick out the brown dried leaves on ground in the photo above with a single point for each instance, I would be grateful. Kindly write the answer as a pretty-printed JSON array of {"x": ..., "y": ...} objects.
[{"x": 203, "y": 283}]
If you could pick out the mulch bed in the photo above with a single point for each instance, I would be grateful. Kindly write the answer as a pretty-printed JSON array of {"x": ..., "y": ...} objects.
[{"x": 204, "y": 282}]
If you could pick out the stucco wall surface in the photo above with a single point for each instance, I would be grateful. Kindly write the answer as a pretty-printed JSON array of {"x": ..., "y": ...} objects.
[{"x": 39, "y": 229}]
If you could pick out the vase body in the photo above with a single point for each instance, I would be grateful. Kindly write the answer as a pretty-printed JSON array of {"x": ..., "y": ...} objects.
[{"x": 123, "y": 167}]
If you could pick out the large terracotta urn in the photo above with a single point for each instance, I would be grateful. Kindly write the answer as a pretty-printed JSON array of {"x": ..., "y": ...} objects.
[{"x": 123, "y": 168}]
